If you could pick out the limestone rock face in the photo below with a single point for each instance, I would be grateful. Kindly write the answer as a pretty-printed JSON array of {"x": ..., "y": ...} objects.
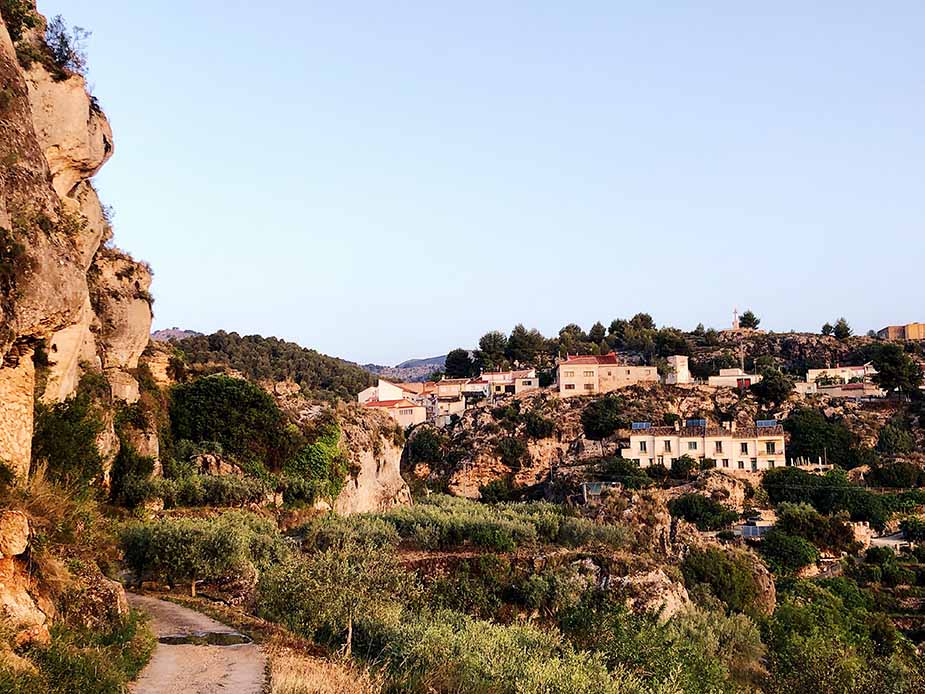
[
  {"x": 652, "y": 592},
  {"x": 73, "y": 132},
  {"x": 14, "y": 533},
  {"x": 53, "y": 139},
  {"x": 374, "y": 446},
  {"x": 715, "y": 484}
]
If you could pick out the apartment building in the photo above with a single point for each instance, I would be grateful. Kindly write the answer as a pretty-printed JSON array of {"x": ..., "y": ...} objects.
[
  {"x": 910, "y": 331},
  {"x": 734, "y": 448},
  {"x": 591, "y": 374},
  {"x": 844, "y": 374}
]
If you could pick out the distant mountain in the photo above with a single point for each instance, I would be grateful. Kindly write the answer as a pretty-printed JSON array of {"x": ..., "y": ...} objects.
[
  {"x": 169, "y": 334},
  {"x": 411, "y": 370}
]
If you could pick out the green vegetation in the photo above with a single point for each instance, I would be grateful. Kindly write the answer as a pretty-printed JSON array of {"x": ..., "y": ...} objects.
[
  {"x": 193, "y": 550},
  {"x": 626, "y": 472},
  {"x": 18, "y": 15},
  {"x": 603, "y": 417},
  {"x": 318, "y": 470},
  {"x": 268, "y": 358},
  {"x": 830, "y": 533},
  {"x": 703, "y": 512},
  {"x": 896, "y": 370},
  {"x": 235, "y": 413},
  {"x": 749, "y": 320},
  {"x": 895, "y": 439},
  {"x": 459, "y": 364},
  {"x": 773, "y": 388},
  {"x": 786, "y": 553},
  {"x": 64, "y": 440},
  {"x": 729, "y": 576},
  {"x": 81, "y": 660},
  {"x": 812, "y": 436}
]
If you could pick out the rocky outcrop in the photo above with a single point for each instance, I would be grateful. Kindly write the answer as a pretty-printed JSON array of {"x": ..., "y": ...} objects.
[
  {"x": 374, "y": 444},
  {"x": 714, "y": 484},
  {"x": 652, "y": 592},
  {"x": 18, "y": 607},
  {"x": 62, "y": 293}
]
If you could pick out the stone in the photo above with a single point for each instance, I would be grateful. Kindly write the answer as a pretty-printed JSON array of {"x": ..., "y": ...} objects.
[
  {"x": 36, "y": 635},
  {"x": 652, "y": 592},
  {"x": 14, "y": 533},
  {"x": 214, "y": 464},
  {"x": 17, "y": 387}
]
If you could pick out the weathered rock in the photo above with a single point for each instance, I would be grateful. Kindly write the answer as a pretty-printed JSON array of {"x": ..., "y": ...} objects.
[
  {"x": 715, "y": 484},
  {"x": 373, "y": 444},
  {"x": 214, "y": 464},
  {"x": 16, "y": 603},
  {"x": 17, "y": 387},
  {"x": 652, "y": 592},
  {"x": 94, "y": 601},
  {"x": 14, "y": 533}
]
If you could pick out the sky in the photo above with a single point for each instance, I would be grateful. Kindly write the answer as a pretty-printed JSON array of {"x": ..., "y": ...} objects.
[{"x": 388, "y": 180}]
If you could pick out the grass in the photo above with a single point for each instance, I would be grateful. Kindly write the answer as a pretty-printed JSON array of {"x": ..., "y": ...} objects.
[{"x": 293, "y": 674}]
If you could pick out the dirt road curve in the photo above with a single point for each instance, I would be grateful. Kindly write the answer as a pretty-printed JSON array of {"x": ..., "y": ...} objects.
[{"x": 195, "y": 669}]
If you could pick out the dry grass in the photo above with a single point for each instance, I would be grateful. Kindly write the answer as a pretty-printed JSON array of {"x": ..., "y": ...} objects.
[{"x": 293, "y": 674}]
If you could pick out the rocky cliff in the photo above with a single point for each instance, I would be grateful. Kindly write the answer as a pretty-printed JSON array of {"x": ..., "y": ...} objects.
[{"x": 69, "y": 301}]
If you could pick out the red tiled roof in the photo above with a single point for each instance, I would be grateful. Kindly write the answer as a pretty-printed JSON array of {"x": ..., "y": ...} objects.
[
  {"x": 389, "y": 403},
  {"x": 610, "y": 358}
]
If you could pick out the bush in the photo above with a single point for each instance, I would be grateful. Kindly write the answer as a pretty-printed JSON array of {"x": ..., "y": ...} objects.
[
  {"x": 705, "y": 513},
  {"x": 787, "y": 553},
  {"x": 318, "y": 470},
  {"x": 898, "y": 473},
  {"x": 65, "y": 439},
  {"x": 330, "y": 530},
  {"x": 682, "y": 467},
  {"x": 895, "y": 439},
  {"x": 512, "y": 451},
  {"x": 812, "y": 436},
  {"x": 236, "y": 414},
  {"x": 603, "y": 417},
  {"x": 913, "y": 529},
  {"x": 18, "y": 15},
  {"x": 185, "y": 549},
  {"x": 68, "y": 48},
  {"x": 425, "y": 446},
  {"x": 831, "y": 533},
  {"x": 627, "y": 472},
  {"x": 729, "y": 576},
  {"x": 538, "y": 426}
]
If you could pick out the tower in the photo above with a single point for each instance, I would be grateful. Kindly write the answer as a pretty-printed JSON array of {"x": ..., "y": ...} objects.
[{"x": 735, "y": 318}]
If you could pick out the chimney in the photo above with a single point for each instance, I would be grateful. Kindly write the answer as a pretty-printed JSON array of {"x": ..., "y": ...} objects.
[{"x": 677, "y": 425}]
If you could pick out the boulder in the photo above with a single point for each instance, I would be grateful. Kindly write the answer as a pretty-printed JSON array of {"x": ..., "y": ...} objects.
[
  {"x": 14, "y": 533},
  {"x": 652, "y": 592}
]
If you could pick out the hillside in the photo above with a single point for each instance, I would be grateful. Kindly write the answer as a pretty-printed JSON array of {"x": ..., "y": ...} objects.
[
  {"x": 169, "y": 334},
  {"x": 410, "y": 370},
  {"x": 271, "y": 359}
]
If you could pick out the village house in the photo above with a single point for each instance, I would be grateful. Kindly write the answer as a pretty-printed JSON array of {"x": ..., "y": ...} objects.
[
  {"x": 403, "y": 411},
  {"x": 510, "y": 382},
  {"x": 734, "y": 448},
  {"x": 733, "y": 378},
  {"x": 910, "y": 331},
  {"x": 844, "y": 374},
  {"x": 590, "y": 374},
  {"x": 386, "y": 390}
]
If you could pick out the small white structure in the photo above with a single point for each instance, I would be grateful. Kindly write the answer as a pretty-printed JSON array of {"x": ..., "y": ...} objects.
[
  {"x": 678, "y": 370},
  {"x": 733, "y": 378},
  {"x": 845, "y": 374}
]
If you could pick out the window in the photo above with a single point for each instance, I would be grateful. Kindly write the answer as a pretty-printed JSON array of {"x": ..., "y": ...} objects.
[
  {"x": 588, "y": 373},
  {"x": 528, "y": 383},
  {"x": 719, "y": 446},
  {"x": 570, "y": 386},
  {"x": 609, "y": 372},
  {"x": 770, "y": 447},
  {"x": 741, "y": 464},
  {"x": 744, "y": 448},
  {"x": 642, "y": 446},
  {"x": 754, "y": 465},
  {"x": 406, "y": 410},
  {"x": 589, "y": 386},
  {"x": 725, "y": 462},
  {"x": 667, "y": 446},
  {"x": 627, "y": 372},
  {"x": 692, "y": 445},
  {"x": 569, "y": 373},
  {"x": 661, "y": 460},
  {"x": 771, "y": 463}
]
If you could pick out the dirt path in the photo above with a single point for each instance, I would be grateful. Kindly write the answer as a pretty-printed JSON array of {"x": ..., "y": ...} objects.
[{"x": 196, "y": 669}]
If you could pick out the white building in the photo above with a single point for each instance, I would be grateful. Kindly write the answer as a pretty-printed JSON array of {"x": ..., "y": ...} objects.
[
  {"x": 733, "y": 378},
  {"x": 678, "y": 370},
  {"x": 845, "y": 374},
  {"x": 735, "y": 449},
  {"x": 510, "y": 382}
]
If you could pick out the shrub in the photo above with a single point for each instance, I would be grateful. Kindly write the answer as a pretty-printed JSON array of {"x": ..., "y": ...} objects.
[
  {"x": 705, "y": 513},
  {"x": 497, "y": 491},
  {"x": 682, "y": 467},
  {"x": 813, "y": 436},
  {"x": 425, "y": 446},
  {"x": 787, "y": 553},
  {"x": 18, "y": 15},
  {"x": 832, "y": 533},
  {"x": 184, "y": 549},
  {"x": 603, "y": 417},
  {"x": 233, "y": 412},
  {"x": 330, "y": 530},
  {"x": 895, "y": 439},
  {"x": 729, "y": 576},
  {"x": 65, "y": 440},
  {"x": 68, "y": 48},
  {"x": 318, "y": 470},
  {"x": 913, "y": 529},
  {"x": 538, "y": 426},
  {"x": 512, "y": 451},
  {"x": 898, "y": 473},
  {"x": 627, "y": 472}
]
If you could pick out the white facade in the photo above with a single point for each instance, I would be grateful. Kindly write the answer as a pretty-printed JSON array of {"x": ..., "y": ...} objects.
[
  {"x": 678, "y": 370},
  {"x": 845, "y": 374},
  {"x": 746, "y": 449},
  {"x": 733, "y": 378}
]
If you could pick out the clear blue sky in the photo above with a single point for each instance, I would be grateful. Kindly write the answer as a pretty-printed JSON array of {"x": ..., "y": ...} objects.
[{"x": 385, "y": 180}]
